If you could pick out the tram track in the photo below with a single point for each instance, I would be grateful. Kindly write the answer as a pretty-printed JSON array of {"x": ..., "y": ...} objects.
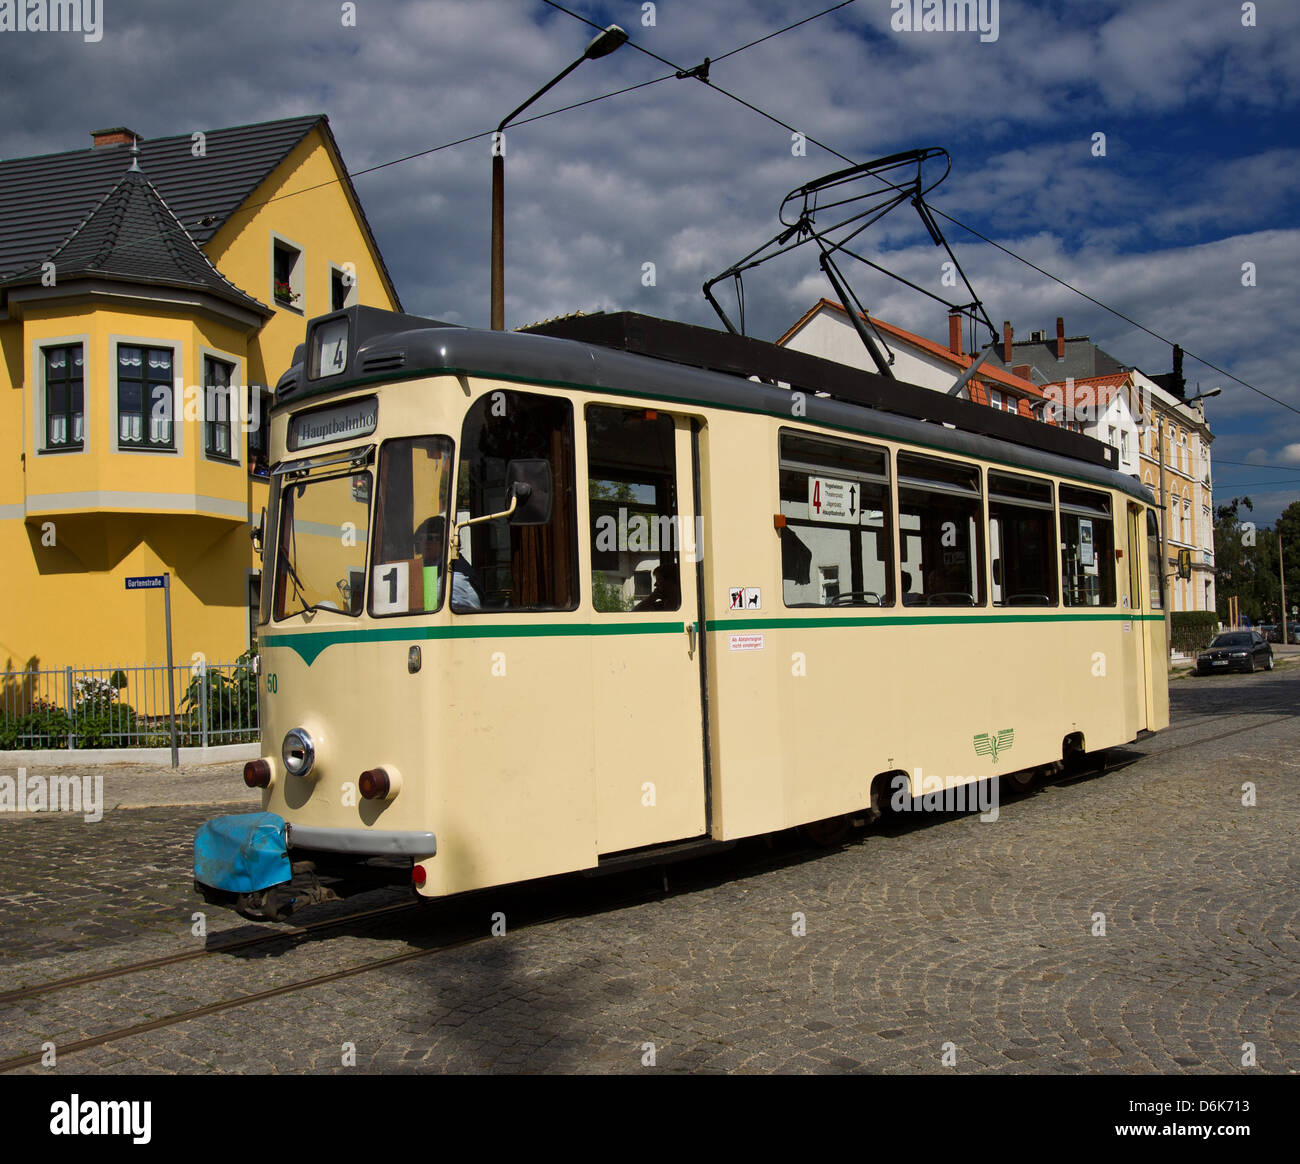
[
  {"x": 296, "y": 935},
  {"x": 291, "y": 933},
  {"x": 120, "y": 1033},
  {"x": 1212, "y": 739}
]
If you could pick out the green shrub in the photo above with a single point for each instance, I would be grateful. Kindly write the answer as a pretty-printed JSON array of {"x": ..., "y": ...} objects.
[
  {"x": 231, "y": 700},
  {"x": 1191, "y": 630},
  {"x": 44, "y": 726},
  {"x": 105, "y": 726}
]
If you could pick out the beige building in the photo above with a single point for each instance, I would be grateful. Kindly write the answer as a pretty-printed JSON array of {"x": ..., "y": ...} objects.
[{"x": 1174, "y": 462}]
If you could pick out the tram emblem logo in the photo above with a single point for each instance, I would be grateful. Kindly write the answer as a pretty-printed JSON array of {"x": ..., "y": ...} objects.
[{"x": 991, "y": 743}]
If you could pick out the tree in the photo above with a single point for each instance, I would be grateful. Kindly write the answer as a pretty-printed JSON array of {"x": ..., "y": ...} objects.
[{"x": 1247, "y": 563}]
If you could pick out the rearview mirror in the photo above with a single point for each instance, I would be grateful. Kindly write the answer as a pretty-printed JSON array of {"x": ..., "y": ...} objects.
[
  {"x": 530, "y": 487},
  {"x": 1184, "y": 564},
  {"x": 256, "y": 533}
]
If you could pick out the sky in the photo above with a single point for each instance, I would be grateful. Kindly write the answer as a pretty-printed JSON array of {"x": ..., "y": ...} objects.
[{"x": 1196, "y": 177}]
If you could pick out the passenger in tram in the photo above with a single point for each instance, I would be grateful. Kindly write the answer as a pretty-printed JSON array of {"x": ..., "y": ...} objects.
[
  {"x": 910, "y": 596},
  {"x": 667, "y": 592}
]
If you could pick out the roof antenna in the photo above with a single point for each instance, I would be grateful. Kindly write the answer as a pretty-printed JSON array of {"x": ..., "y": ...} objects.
[{"x": 135, "y": 155}]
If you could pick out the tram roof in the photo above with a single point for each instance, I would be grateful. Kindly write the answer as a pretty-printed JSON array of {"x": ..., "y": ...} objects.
[{"x": 635, "y": 355}]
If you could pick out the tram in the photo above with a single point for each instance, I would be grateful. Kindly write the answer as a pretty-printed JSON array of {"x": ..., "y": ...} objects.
[{"x": 616, "y": 589}]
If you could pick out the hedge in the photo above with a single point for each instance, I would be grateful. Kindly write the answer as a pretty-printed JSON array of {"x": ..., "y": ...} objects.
[{"x": 1192, "y": 630}]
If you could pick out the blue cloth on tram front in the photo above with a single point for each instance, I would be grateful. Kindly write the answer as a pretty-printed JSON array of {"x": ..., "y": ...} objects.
[{"x": 242, "y": 853}]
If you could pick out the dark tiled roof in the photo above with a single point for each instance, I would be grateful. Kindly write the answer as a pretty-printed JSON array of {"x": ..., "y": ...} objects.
[
  {"x": 43, "y": 200},
  {"x": 1082, "y": 358},
  {"x": 133, "y": 235}
]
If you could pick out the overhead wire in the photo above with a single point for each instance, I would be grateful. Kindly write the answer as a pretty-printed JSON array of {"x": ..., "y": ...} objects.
[
  {"x": 956, "y": 222},
  {"x": 679, "y": 72}
]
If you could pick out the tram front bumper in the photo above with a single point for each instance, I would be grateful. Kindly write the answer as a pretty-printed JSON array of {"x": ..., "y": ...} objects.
[{"x": 364, "y": 842}]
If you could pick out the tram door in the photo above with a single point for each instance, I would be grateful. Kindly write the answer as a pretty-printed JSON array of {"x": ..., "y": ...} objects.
[
  {"x": 1136, "y": 688},
  {"x": 647, "y": 639}
]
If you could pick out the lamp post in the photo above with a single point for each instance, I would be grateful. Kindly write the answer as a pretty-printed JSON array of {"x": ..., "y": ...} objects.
[{"x": 601, "y": 45}]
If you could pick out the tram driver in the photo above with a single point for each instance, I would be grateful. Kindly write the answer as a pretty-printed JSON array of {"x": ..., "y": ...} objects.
[{"x": 466, "y": 589}]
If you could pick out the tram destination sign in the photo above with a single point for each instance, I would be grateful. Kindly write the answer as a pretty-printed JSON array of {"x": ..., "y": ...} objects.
[
  {"x": 832, "y": 500},
  {"x": 342, "y": 422}
]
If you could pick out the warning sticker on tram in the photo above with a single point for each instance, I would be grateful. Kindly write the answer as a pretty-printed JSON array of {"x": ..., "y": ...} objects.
[{"x": 832, "y": 500}]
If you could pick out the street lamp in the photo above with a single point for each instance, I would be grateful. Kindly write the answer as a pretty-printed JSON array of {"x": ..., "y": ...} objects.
[
  {"x": 601, "y": 45},
  {"x": 1202, "y": 395}
]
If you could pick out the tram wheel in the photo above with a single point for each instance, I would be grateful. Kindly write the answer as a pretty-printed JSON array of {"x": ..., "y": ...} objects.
[
  {"x": 828, "y": 833},
  {"x": 1021, "y": 783}
]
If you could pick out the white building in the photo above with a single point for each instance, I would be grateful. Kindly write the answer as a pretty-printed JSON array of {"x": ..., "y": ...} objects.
[{"x": 826, "y": 330}]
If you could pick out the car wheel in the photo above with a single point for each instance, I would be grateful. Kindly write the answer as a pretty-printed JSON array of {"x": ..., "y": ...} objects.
[
  {"x": 1268, "y": 663},
  {"x": 1250, "y": 664}
]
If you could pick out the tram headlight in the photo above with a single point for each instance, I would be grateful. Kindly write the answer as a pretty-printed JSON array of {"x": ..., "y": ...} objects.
[{"x": 299, "y": 751}]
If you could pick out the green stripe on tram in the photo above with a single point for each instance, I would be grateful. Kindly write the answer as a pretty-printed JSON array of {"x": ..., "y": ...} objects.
[
  {"x": 308, "y": 645},
  {"x": 745, "y": 624}
]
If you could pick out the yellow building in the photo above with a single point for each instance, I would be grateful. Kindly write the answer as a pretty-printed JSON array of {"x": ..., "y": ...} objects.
[{"x": 149, "y": 291}]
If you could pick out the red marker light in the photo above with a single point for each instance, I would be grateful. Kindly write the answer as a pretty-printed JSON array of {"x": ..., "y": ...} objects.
[
  {"x": 257, "y": 774},
  {"x": 418, "y": 874},
  {"x": 373, "y": 784}
]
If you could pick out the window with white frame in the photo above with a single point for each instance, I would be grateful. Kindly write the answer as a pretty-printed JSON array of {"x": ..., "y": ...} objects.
[
  {"x": 995, "y": 399},
  {"x": 219, "y": 409},
  {"x": 145, "y": 397},
  {"x": 288, "y": 273},
  {"x": 65, "y": 397},
  {"x": 343, "y": 286}
]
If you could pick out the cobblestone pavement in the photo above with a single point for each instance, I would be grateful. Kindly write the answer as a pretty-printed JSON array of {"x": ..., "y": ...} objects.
[{"x": 934, "y": 936}]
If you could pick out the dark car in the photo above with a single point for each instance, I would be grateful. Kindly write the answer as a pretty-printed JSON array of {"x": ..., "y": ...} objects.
[{"x": 1235, "y": 651}]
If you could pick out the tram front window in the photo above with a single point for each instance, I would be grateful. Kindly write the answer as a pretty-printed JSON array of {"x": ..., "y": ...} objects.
[{"x": 321, "y": 563}]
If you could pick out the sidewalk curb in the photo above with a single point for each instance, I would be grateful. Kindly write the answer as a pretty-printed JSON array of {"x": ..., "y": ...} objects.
[{"x": 162, "y": 757}]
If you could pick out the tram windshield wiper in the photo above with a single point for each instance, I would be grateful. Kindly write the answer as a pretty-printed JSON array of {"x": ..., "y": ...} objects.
[{"x": 299, "y": 590}]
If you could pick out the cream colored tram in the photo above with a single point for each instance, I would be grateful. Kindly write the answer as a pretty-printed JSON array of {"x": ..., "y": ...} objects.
[{"x": 532, "y": 605}]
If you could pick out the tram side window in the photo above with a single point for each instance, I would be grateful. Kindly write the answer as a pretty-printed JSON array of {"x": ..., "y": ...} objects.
[
  {"x": 1087, "y": 548},
  {"x": 407, "y": 573},
  {"x": 516, "y": 567},
  {"x": 1155, "y": 576},
  {"x": 836, "y": 546},
  {"x": 940, "y": 527},
  {"x": 1022, "y": 528},
  {"x": 632, "y": 488}
]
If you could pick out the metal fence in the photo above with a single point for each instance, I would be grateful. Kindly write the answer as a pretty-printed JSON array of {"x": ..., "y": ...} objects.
[{"x": 128, "y": 707}]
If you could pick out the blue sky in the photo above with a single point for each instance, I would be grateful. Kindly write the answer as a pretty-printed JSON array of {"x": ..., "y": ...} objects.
[{"x": 1200, "y": 173}]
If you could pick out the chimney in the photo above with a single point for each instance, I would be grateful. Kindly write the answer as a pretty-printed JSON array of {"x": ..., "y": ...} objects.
[
  {"x": 954, "y": 333},
  {"x": 118, "y": 135},
  {"x": 1180, "y": 385},
  {"x": 1060, "y": 337},
  {"x": 1024, "y": 371},
  {"x": 1006, "y": 341}
]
